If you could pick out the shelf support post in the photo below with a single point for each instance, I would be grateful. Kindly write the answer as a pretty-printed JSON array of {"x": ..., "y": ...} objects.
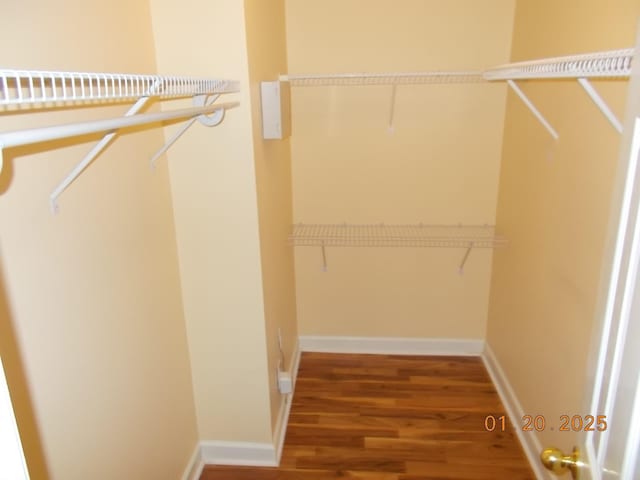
[
  {"x": 600, "y": 103},
  {"x": 392, "y": 110},
  {"x": 92, "y": 155},
  {"x": 174, "y": 138},
  {"x": 533, "y": 109},
  {"x": 324, "y": 258},
  {"x": 464, "y": 259}
]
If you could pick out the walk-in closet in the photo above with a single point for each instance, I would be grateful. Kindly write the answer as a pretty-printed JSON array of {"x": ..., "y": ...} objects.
[{"x": 203, "y": 201}]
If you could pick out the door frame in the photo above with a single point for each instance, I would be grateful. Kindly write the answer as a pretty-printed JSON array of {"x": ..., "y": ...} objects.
[{"x": 619, "y": 288}]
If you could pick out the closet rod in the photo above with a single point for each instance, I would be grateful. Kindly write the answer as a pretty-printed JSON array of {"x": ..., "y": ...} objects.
[{"x": 36, "y": 135}]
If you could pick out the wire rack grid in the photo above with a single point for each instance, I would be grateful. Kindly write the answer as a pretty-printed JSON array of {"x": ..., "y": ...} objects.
[
  {"x": 608, "y": 64},
  {"x": 382, "y": 235},
  {"x": 402, "y": 78},
  {"x": 25, "y": 87}
]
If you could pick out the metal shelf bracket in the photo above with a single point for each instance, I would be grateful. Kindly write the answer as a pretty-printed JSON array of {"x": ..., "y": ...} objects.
[
  {"x": 392, "y": 108},
  {"x": 90, "y": 157},
  {"x": 601, "y": 104},
  {"x": 325, "y": 268},
  {"x": 464, "y": 258},
  {"x": 533, "y": 109},
  {"x": 210, "y": 121}
]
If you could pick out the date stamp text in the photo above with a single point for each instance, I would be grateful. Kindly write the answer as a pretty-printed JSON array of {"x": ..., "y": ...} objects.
[{"x": 539, "y": 423}]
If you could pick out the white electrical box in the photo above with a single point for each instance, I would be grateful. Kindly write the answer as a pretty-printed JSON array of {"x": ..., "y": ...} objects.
[
  {"x": 285, "y": 384},
  {"x": 276, "y": 110}
]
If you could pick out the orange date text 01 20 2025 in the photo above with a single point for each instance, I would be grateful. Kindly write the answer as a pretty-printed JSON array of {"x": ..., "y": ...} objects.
[{"x": 538, "y": 423}]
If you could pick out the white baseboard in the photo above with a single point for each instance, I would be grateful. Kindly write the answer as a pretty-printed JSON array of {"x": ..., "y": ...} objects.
[
  {"x": 529, "y": 440},
  {"x": 392, "y": 345},
  {"x": 285, "y": 406},
  {"x": 195, "y": 466},
  {"x": 238, "y": 453},
  {"x": 248, "y": 453}
]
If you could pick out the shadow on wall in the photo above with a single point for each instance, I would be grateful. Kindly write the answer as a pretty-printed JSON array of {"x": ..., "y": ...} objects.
[
  {"x": 6, "y": 175},
  {"x": 19, "y": 391}
]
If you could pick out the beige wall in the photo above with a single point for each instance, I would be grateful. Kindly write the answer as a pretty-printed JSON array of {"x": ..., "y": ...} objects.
[
  {"x": 440, "y": 165},
  {"x": 213, "y": 182},
  {"x": 267, "y": 54},
  {"x": 553, "y": 206},
  {"x": 92, "y": 328}
]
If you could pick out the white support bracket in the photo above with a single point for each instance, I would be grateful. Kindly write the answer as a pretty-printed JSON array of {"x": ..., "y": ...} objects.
[
  {"x": 601, "y": 104},
  {"x": 392, "y": 108},
  {"x": 464, "y": 259},
  {"x": 199, "y": 101},
  {"x": 91, "y": 156},
  {"x": 324, "y": 258},
  {"x": 210, "y": 121},
  {"x": 533, "y": 109}
]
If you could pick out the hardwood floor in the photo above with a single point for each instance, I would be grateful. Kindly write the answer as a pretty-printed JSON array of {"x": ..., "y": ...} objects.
[{"x": 389, "y": 417}]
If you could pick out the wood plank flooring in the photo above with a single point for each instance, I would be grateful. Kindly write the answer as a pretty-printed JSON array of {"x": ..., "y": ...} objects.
[{"x": 389, "y": 417}]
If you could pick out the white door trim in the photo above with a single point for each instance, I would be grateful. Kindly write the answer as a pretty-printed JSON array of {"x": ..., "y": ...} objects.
[{"x": 12, "y": 462}]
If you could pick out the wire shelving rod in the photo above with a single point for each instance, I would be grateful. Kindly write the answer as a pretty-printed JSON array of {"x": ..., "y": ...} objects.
[{"x": 384, "y": 78}]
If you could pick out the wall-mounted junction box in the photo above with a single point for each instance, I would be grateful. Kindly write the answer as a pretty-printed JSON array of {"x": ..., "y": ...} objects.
[
  {"x": 276, "y": 110},
  {"x": 285, "y": 383}
]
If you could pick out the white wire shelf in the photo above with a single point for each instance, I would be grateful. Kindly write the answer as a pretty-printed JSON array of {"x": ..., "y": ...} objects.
[
  {"x": 42, "y": 89},
  {"x": 613, "y": 64},
  {"x": 607, "y": 64},
  {"x": 28, "y": 87},
  {"x": 389, "y": 78},
  {"x": 382, "y": 235}
]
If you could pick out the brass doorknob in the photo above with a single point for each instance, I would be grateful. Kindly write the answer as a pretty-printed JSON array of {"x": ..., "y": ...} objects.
[{"x": 553, "y": 459}]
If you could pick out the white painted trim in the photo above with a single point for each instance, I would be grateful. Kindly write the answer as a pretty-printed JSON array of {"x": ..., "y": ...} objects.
[
  {"x": 195, "y": 466},
  {"x": 530, "y": 441},
  {"x": 285, "y": 406},
  {"x": 13, "y": 463},
  {"x": 295, "y": 366},
  {"x": 238, "y": 453},
  {"x": 392, "y": 345},
  {"x": 247, "y": 453}
]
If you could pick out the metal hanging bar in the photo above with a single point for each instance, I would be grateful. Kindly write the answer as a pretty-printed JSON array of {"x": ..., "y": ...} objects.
[
  {"x": 533, "y": 109},
  {"x": 137, "y": 120},
  {"x": 45, "y": 134},
  {"x": 601, "y": 104},
  {"x": 37, "y": 135}
]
